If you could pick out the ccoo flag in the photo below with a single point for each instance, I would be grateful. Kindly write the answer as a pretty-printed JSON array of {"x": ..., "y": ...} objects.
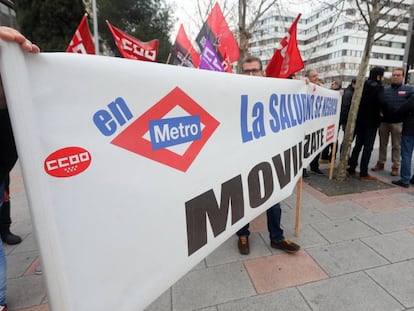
[
  {"x": 218, "y": 32},
  {"x": 287, "y": 59},
  {"x": 132, "y": 48},
  {"x": 82, "y": 41},
  {"x": 183, "y": 52},
  {"x": 209, "y": 59}
]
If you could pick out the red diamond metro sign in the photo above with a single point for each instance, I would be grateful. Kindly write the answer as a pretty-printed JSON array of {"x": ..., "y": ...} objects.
[{"x": 169, "y": 131}]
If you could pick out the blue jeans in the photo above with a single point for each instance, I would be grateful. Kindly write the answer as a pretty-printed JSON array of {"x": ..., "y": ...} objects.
[
  {"x": 3, "y": 270},
  {"x": 407, "y": 146},
  {"x": 273, "y": 224},
  {"x": 3, "y": 276}
]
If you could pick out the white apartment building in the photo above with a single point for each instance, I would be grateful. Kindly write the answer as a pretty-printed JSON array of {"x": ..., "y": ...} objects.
[{"x": 332, "y": 40}]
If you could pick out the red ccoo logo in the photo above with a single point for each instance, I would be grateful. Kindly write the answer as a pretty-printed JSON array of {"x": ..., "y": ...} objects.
[
  {"x": 330, "y": 132},
  {"x": 67, "y": 162}
]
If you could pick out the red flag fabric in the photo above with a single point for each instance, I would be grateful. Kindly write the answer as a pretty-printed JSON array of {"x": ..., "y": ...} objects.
[
  {"x": 287, "y": 59},
  {"x": 226, "y": 63},
  {"x": 183, "y": 52},
  {"x": 217, "y": 31},
  {"x": 82, "y": 41},
  {"x": 132, "y": 48}
]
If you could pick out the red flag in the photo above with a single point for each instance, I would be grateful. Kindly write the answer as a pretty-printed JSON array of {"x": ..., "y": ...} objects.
[
  {"x": 82, "y": 41},
  {"x": 287, "y": 59},
  {"x": 183, "y": 52},
  {"x": 218, "y": 32},
  {"x": 132, "y": 48},
  {"x": 226, "y": 63}
]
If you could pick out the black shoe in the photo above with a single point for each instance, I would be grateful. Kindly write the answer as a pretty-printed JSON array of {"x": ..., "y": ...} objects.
[
  {"x": 317, "y": 171},
  {"x": 10, "y": 238},
  {"x": 243, "y": 245},
  {"x": 400, "y": 183},
  {"x": 305, "y": 173},
  {"x": 351, "y": 172},
  {"x": 412, "y": 180},
  {"x": 286, "y": 245}
]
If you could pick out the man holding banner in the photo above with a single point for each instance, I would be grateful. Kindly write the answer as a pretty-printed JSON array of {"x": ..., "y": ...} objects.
[
  {"x": 66, "y": 147},
  {"x": 252, "y": 65}
]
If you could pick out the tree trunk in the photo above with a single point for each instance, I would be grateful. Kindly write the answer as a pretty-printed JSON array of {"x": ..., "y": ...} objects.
[
  {"x": 243, "y": 33},
  {"x": 353, "y": 111}
]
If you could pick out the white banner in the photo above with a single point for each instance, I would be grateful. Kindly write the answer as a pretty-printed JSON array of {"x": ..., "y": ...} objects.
[{"x": 130, "y": 165}]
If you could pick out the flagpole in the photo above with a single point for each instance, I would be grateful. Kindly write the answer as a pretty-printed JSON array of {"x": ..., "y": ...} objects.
[
  {"x": 95, "y": 27},
  {"x": 168, "y": 58}
]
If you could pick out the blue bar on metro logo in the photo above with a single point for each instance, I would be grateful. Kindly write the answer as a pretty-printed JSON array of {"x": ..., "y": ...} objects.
[{"x": 174, "y": 131}]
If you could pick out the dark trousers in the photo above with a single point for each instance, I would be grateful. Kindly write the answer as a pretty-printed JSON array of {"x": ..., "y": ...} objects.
[
  {"x": 8, "y": 153},
  {"x": 273, "y": 224},
  {"x": 326, "y": 153},
  {"x": 314, "y": 165},
  {"x": 364, "y": 138},
  {"x": 5, "y": 219},
  {"x": 8, "y": 158}
]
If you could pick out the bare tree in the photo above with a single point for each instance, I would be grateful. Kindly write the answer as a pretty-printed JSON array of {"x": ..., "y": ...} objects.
[
  {"x": 380, "y": 17},
  {"x": 245, "y": 25},
  {"x": 249, "y": 12}
]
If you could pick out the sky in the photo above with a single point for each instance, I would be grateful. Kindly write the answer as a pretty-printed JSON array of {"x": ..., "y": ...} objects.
[{"x": 185, "y": 13}]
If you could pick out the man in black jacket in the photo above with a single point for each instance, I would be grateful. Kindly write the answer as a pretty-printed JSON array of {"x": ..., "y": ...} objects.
[
  {"x": 406, "y": 112},
  {"x": 367, "y": 123},
  {"x": 346, "y": 104},
  {"x": 395, "y": 96}
]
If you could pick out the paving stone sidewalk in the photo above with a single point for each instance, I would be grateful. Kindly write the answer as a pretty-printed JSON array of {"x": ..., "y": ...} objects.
[{"x": 357, "y": 254}]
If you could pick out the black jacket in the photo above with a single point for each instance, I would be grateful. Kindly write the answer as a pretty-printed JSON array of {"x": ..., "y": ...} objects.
[
  {"x": 346, "y": 105},
  {"x": 369, "y": 112},
  {"x": 394, "y": 97}
]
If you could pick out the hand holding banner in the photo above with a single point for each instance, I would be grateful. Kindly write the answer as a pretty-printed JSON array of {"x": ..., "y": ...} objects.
[{"x": 115, "y": 154}]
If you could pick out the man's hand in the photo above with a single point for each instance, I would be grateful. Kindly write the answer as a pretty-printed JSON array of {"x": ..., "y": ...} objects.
[{"x": 10, "y": 34}]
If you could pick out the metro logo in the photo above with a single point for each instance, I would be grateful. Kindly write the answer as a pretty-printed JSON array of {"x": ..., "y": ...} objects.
[
  {"x": 174, "y": 131},
  {"x": 166, "y": 132},
  {"x": 67, "y": 162}
]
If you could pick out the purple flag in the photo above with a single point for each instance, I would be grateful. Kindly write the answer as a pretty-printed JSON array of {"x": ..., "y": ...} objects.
[{"x": 209, "y": 59}]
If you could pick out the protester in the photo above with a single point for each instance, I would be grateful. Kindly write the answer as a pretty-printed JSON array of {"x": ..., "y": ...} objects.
[
  {"x": 326, "y": 153},
  {"x": 8, "y": 34},
  {"x": 3, "y": 267},
  {"x": 406, "y": 112},
  {"x": 367, "y": 122},
  {"x": 252, "y": 65},
  {"x": 313, "y": 77},
  {"x": 394, "y": 97},
  {"x": 8, "y": 157},
  {"x": 345, "y": 106}
]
